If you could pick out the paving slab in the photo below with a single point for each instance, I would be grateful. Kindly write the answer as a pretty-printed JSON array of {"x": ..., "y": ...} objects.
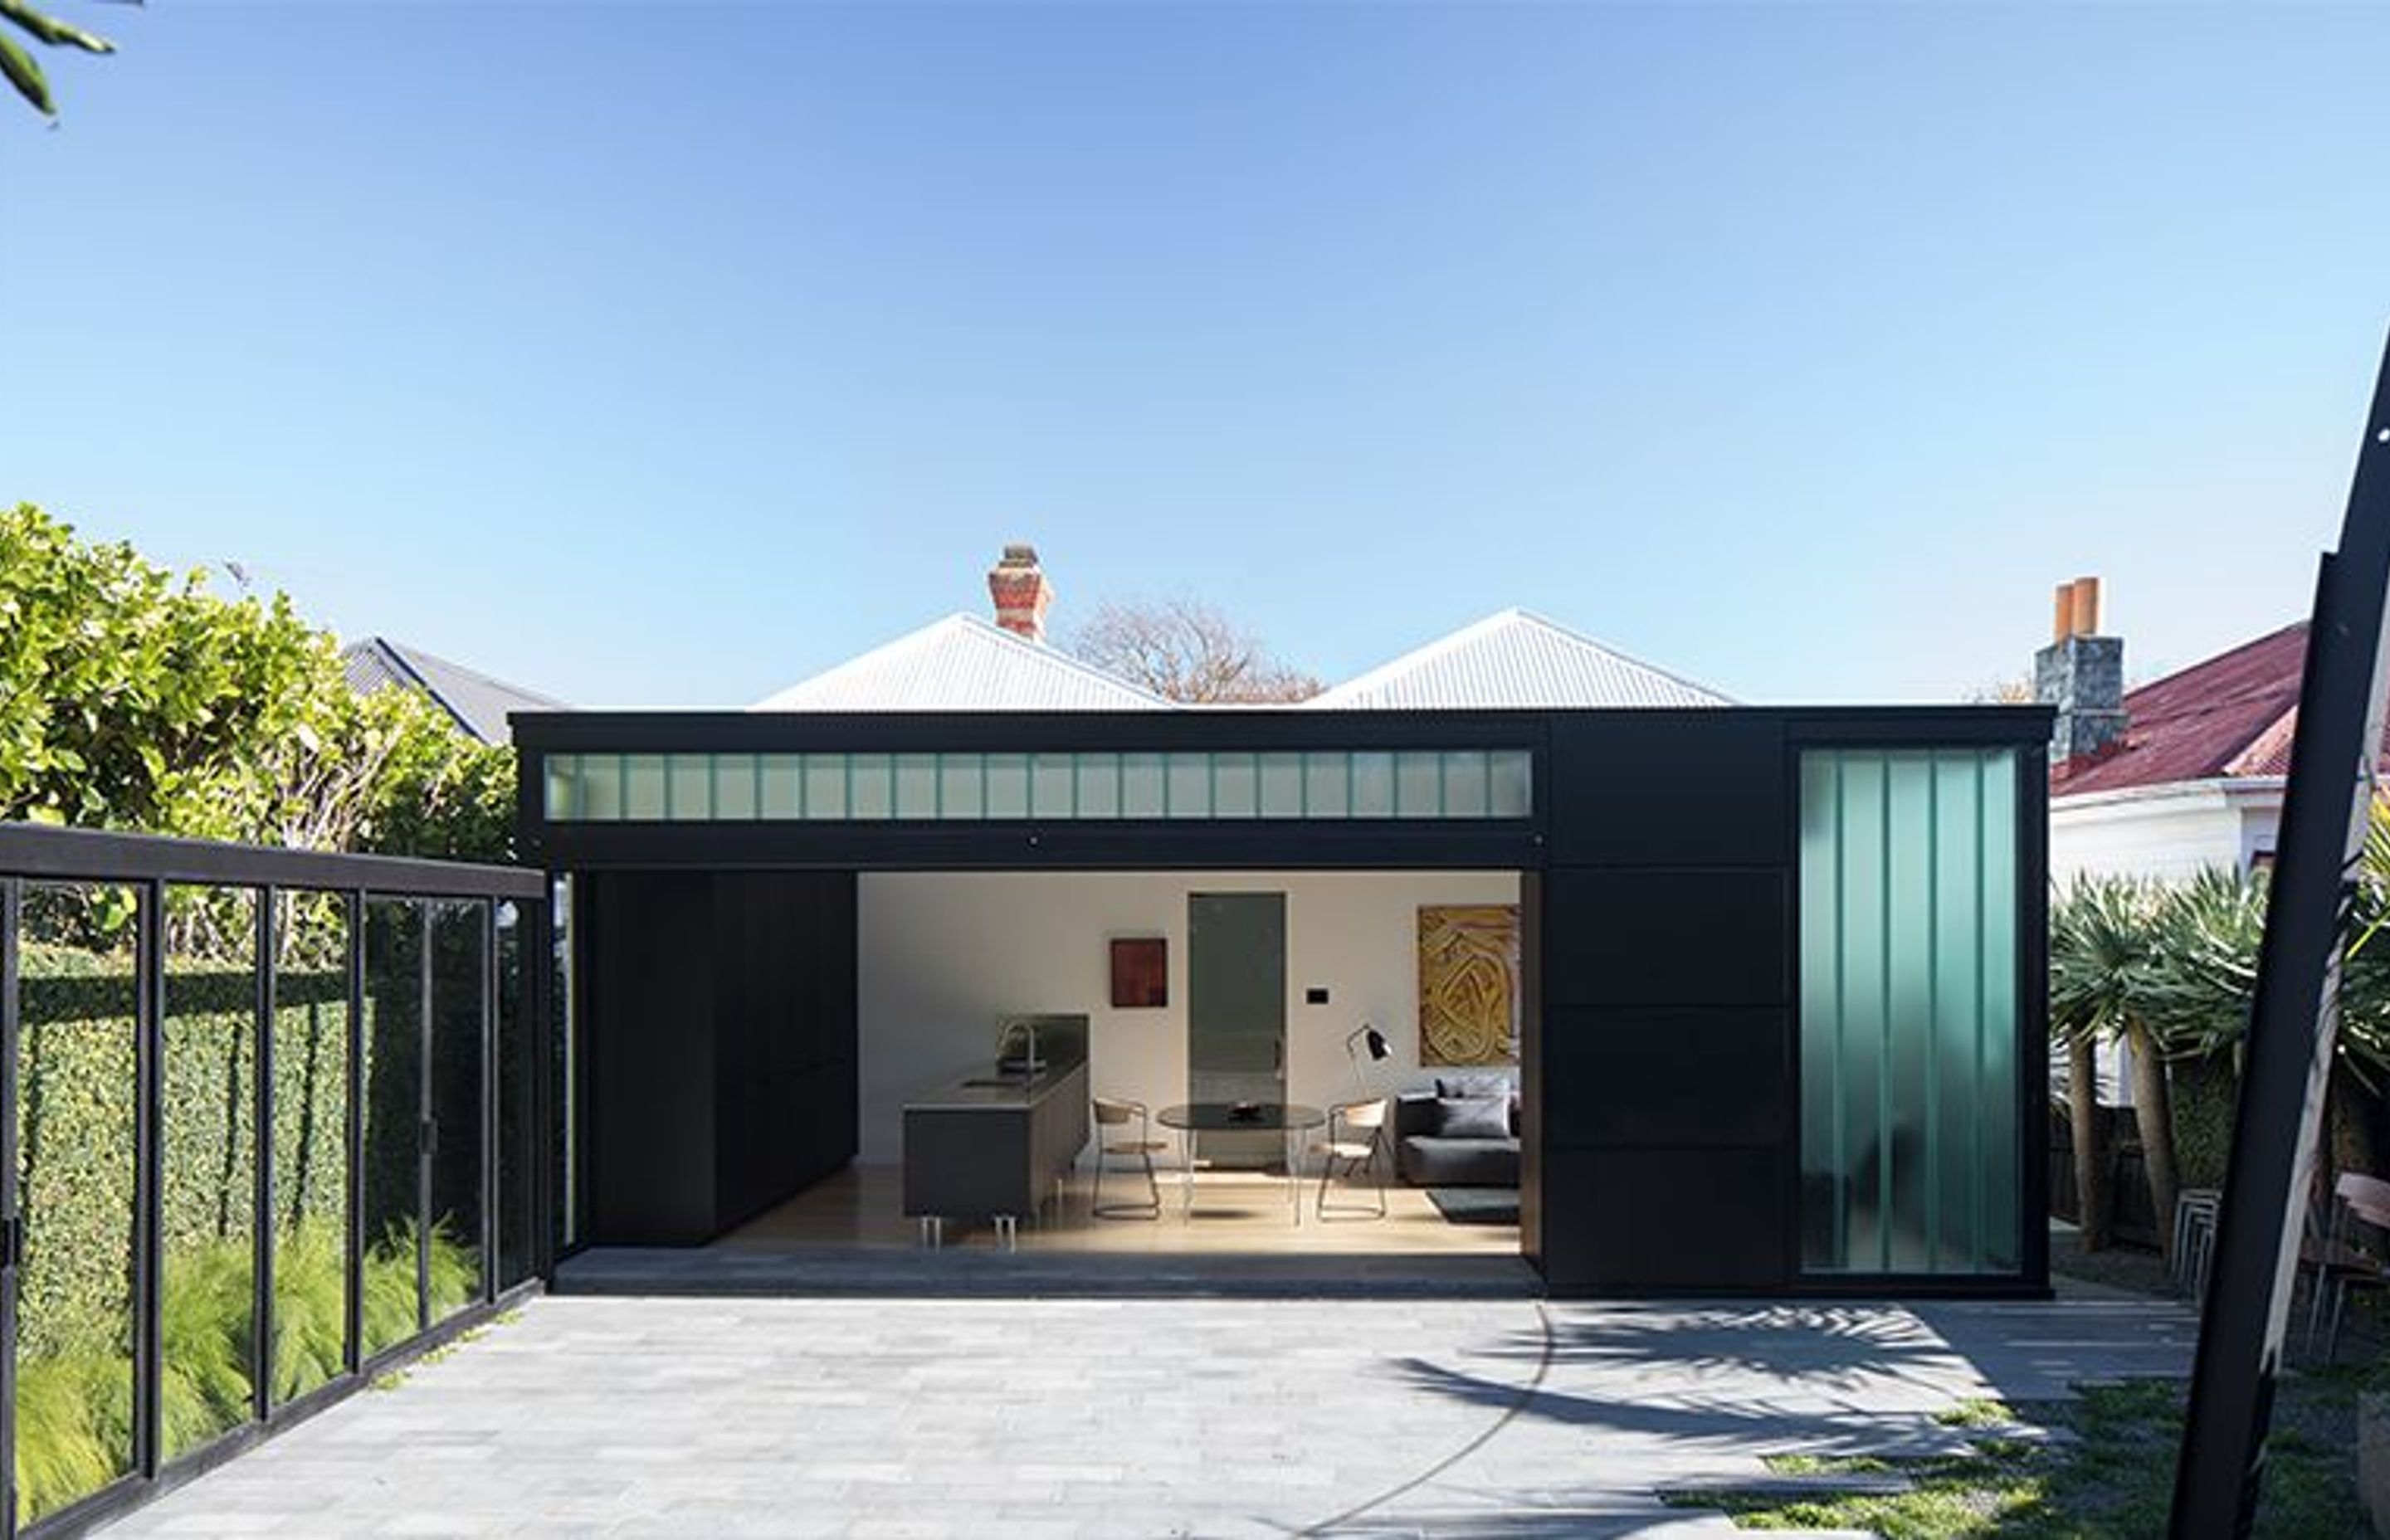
[{"x": 1495, "y": 1416}]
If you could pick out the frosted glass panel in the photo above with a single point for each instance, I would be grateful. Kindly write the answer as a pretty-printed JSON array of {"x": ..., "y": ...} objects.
[
  {"x": 870, "y": 785},
  {"x": 1235, "y": 787},
  {"x": 1141, "y": 786},
  {"x": 1100, "y": 786},
  {"x": 734, "y": 785},
  {"x": 825, "y": 786},
  {"x": 1049, "y": 785},
  {"x": 562, "y": 801},
  {"x": 601, "y": 788},
  {"x": 691, "y": 779},
  {"x": 1326, "y": 785},
  {"x": 1007, "y": 786},
  {"x": 1373, "y": 786},
  {"x": 1190, "y": 786},
  {"x": 917, "y": 785},
  {"x": 1510, "y": 793},
  {"x": 1909, "y": 1065},
  {"x": 961, "y": 790},
  {"x": 783, "y": 786},
  {"x": 643, "y": 786},
  {"x": 1464, "y": 785},
  {"x": 1417, "y": 786},
  {"x": 1281, "y": 786}
]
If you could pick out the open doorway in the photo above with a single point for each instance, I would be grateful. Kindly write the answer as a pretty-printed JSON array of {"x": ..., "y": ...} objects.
[{"x": 1357, "y": 1014}]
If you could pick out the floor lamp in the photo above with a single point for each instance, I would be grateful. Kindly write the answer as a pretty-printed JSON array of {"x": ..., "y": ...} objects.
[{"x": 1364, "y": 1036}]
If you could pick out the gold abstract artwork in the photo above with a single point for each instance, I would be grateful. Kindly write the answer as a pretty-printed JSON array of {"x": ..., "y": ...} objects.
[{"x": 1469, "y": 984}]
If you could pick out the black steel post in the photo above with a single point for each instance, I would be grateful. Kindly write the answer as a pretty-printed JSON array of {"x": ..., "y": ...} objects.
[
  {"x": 489, "y": 1108},
  {"x": 2325, "y": 810},
  {"x": 148, "y": 1068},
  {"x": 354, "y": 1329},
  {"x": 2033, "y": 1013},
  {"x": 427, "y": 1138},
  {"x": 12, "y": 1218},
  {"x": 260, "y": 1337},
  {"x": 535, "y": 947}
]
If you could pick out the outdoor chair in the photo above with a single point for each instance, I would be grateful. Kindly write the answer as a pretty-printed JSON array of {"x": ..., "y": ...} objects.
[
  {"x": 2330, "y": 1260},
  {"x": 2195, "y": 1239},
  {"x": 1113, "y": 1117},
  {"x": 1356, "y": 1137}
]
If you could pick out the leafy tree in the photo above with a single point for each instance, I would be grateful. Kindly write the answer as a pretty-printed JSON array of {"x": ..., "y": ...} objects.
[
  {"x": 18, "y": 65},
  {"x": 1182, "y": 649},
  {"x": 133, "y": 700}
]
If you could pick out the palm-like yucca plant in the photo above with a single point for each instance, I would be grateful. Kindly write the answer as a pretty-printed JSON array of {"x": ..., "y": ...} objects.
[
  {"x": 2108, "y": 977},
  {"x": 18, "y": 65}
]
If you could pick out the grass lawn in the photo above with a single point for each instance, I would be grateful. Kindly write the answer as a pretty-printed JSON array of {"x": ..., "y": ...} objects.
[{"x": 2117, "y": 1480}]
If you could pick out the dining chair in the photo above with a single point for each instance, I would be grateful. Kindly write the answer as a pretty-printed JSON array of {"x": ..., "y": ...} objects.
[
  {"x": 1356, "y": 1137},
  {"x": 1113, "y": 1117}
]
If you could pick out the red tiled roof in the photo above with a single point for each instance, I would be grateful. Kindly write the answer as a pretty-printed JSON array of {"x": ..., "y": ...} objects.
[{"x": 2232, "y": 715}]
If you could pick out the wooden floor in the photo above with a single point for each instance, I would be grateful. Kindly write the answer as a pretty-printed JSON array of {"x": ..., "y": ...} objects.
[{"x": 1234, "y": 1213}]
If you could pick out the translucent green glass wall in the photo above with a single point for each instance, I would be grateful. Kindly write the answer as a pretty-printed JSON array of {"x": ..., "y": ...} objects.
[
  {"x": 1910, "y": 1154},
  {"x": 1465, "y": 783}
]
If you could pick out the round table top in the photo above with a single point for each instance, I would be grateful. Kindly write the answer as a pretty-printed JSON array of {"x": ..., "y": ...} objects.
[{"x": 1215, "y": 1116}]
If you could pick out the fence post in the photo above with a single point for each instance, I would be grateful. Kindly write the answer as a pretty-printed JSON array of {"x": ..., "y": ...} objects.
[
  {"x": 150, "y": 1053},
  {"x": 261, "y": 1347}
]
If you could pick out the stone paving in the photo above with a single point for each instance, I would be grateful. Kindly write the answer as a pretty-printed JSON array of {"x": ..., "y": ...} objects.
[{"x": 1487, "y": 1417}]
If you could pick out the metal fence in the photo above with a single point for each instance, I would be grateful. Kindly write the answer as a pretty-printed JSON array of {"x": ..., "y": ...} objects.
[{"x": 276, "y": 1121}]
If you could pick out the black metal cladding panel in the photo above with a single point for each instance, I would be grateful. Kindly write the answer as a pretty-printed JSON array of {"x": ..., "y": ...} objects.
[
  {"x": 1630, "y": 937},
  {"x": 1675, "y": 788},
  {"x": 1658, "y": 1075},
  {"x": 652, "y": 1134},
  {"x": 1657, "y": 1219}
]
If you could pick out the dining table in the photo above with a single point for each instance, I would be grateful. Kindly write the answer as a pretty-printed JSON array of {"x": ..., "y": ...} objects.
[{"x": 1291, "y": 1121}]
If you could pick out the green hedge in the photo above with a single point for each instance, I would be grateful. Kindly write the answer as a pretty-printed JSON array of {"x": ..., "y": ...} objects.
[{"x": 76, "y": 1123}]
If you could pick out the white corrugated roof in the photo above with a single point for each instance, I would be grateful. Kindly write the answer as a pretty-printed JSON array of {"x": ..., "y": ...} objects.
[
  {"x": 963, "y": 664},
  {"x": 1515, "y": 658}
]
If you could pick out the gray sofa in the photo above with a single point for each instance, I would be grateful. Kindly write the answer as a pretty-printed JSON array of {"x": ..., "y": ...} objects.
[{"x": 1426, "y": 1155}]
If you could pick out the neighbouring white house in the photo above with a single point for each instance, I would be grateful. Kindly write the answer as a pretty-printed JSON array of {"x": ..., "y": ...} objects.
[
  {"x": 2182, "y": 774},
  {"x": 2162, "y": 782}
]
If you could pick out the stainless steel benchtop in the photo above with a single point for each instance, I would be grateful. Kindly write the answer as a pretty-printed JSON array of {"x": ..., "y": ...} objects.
[{"x": 1016, "y": 1092}]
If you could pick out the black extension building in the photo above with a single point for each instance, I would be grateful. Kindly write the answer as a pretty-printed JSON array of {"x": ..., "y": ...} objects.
[{"x": 1781, "y": 1016}]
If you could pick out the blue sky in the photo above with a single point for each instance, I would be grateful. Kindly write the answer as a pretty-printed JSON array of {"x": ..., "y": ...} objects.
[{"x": 664, "y": 354}]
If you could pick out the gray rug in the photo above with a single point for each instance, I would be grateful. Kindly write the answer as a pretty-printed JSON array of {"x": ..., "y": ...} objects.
[{"x": 1476, "y": 1205}]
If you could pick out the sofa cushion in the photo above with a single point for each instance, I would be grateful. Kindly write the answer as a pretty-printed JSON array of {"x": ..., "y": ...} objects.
[
  {"x": 1474, "y": 1083},
  {"x": 1473, "y": 1117},
  {"x": 1427, "y": 1161}
]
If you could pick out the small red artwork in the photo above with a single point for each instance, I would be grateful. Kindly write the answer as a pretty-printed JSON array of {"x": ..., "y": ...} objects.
[{"x": 1140, "y": 972}]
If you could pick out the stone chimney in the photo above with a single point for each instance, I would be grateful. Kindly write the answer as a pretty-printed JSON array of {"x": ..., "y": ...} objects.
[
  {"x": 2082, "y": 673},
  {"x": 1021, "y": 592}
]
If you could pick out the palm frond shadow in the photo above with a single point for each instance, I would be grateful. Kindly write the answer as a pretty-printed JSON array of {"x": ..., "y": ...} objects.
[{"x": 1824, "y": 1379}]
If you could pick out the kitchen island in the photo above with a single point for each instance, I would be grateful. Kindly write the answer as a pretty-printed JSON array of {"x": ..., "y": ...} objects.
[{"x": 996, "y": 1146}]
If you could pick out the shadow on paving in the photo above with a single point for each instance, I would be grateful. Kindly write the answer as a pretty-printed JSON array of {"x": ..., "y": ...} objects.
[{"x": 1825, "y": 1379}]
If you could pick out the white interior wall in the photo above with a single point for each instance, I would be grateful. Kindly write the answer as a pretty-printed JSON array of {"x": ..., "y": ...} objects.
[{"x": 942, "y": 953}]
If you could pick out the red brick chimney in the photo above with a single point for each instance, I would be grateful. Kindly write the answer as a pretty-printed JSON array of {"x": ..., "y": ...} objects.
[{"x": 1021, "y": 592}]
